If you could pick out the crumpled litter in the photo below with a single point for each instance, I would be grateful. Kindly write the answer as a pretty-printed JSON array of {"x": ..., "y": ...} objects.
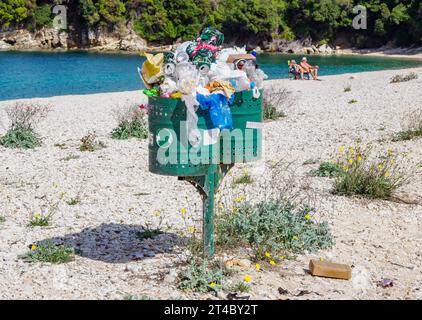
[
  {"x": 200, "y": 73},
  {"x": 152, "y": 69},
  {"x": 194, "y": 135},
  {"x": 153, "y": 92},
  {"x": 225, "y": 86},
  {"x": 218, "y": 106}
]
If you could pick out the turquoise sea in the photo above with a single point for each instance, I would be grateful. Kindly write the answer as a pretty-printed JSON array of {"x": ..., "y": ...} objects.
[{"x": 39, "y": 74}]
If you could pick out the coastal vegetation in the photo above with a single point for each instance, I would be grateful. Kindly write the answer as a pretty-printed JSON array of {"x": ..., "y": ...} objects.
[
  {"x": 273, "y": 229},
  {"x": 132, "y": 123},
  {"x": 373, "y": 177},
  {"x": 23, "y": 117},
  {"x": 91, "y": 143},
  {"x": 274, "y": 99},
  {"x": 412, "y": 127},
  {"x": 404, "y": 78},
  {"x": 252, "y": 21}
]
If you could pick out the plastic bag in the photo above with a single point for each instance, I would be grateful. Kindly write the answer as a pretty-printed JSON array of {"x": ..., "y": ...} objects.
[
  {"x": 194, "y": 135},
  {"x": 219, "y": 110},
  {"x": 169, "y": 85},
  {"x": 187, "y": 77},
  {"x": 152, "y": 69}
]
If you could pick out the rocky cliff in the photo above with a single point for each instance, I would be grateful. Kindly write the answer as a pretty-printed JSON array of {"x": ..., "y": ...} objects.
[
  {"x": 53, "y": 39},
  {"x": 127, "y": 41}
]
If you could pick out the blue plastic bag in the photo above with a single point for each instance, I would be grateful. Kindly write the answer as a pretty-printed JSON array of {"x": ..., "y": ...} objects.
[{"x": 218, "y": 106}]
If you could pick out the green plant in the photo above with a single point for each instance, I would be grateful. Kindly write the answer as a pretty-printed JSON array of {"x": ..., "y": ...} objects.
[
  {"x": 71, "y": 157},
  {"x": 241, "y": 286},
  {"x": 413, "y": 127},
  {"x": 20, "y": 137},
  {"x": 401, "y": 78},
  {"x": 327, "y": 169},
  {"x": 310, "y": 161},
  {"x": 61, "y": 146},
  {"x": 91, "y": 143},
  {"x": 2, "y": 219},
  {"x": 352, "y": 101},
  {"x": 132, "y": 123},
  {"x": 73, "y": 201},
  {"x": 245, "y": 178},
  {"x": 272, "y": 226},
  {"x": 148, "y": 234},
  {"x": 201, "y": 276},
  {"x": 348, "y": 88},
  {"x": 362, "y": 175},
  {"x": 274, "y": 98},
  {"x": 42, "y": 16},
  {"x": 23, "y": 117},
  {"x": 49, "y": 252},
  {"x": 40, "y": 221}
]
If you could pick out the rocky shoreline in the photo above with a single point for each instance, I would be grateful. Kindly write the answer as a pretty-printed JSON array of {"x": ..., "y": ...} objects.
[{"x": 127, "y": 41}]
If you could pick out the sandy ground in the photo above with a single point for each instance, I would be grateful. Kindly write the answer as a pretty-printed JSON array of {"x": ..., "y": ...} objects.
[{"x": 118, "y": 197}]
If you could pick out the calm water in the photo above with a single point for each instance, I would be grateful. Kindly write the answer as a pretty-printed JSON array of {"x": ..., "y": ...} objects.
[{"x": 29, "y": 74}]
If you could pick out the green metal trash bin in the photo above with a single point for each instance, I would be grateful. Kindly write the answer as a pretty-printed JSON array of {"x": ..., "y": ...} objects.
[{"x": 171, "y": 154}]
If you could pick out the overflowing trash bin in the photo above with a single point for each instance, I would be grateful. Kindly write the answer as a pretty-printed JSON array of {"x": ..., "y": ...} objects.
[{"x": 205, "y": 114}]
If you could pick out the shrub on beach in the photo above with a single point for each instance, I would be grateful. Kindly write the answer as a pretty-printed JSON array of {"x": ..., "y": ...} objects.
[
  {"x": 23, "y": 118},
  {"x": 413, "y": 127},
  {"x": 49, "y": 252},
  {"x": 362, "y": 175},
  {"x": 327, "y": 169},
  {"x": 91, "y": 143},
  {"x": 274, "y": 98},
  {"x": 202, "y": 276},
  {"x": 131, "y": 124},
  {"x": 273, "y": 228},
  {"x": 404, "y": 78}
]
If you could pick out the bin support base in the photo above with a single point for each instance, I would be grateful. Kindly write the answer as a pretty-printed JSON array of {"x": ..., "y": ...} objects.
[{"x": 208, "y": 186}]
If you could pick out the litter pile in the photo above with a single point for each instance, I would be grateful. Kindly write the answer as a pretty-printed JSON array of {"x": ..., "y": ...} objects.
[{"x": 203, "y": 75}]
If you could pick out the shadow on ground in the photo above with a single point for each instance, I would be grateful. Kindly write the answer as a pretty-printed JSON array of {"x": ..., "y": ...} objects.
[{"x": 116, "y": 243}]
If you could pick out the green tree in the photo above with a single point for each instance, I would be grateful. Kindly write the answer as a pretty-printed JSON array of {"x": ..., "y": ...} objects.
[{"x": 14, "y": 11}]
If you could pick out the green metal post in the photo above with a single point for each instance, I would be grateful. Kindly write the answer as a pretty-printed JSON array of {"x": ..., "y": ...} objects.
[{"x": 208, "y": 211}]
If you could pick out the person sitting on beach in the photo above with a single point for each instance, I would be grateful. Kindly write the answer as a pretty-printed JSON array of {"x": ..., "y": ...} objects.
[
  {"x": 295, "y": 69},
  {"x": 313, "y": 70}
]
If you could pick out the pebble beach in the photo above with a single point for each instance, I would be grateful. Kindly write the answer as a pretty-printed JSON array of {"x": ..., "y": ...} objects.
[{"x": 118, "y": 197}]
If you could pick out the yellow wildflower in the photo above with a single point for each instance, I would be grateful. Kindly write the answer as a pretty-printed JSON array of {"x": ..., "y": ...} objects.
[
  {"x": 295, "y": 238},
  {"x": 267, "y": 254},
  {"x": 191, "y": 229},
  {"x": 351, "y": 161},
  {"x": 359, "y": 158},
  {"x": 248, "y": 278},
  {"x": 272, "y": 262},
  {"x": 345, "y": 168},
  {"x": 157, "y": 213},
  {"x": 380, "y": 166},
  {"x": 282, "y": 258},
  {"x": 212, "y": 284},
  {"x": 258, "y": 267},
  {"x": 321, "y": 259},
  {"x": 33, "y": 247},
  {"x": 240, "y": 199},
  {"x": 308, "y": 217},
  {"x": 37, "y": 216},
  {"x": 341, "y": 149},
  {"x": 387, "y": 174},
  {"x": 392, "y": 161},
  {"x": 183, "y": 211}
]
